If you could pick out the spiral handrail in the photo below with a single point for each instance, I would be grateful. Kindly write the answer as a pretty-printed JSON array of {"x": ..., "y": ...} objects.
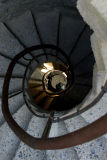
[{"x": 85, "y": 134}]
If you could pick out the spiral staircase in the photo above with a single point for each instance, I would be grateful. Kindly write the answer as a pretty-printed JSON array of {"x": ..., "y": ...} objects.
[{"x": 54, "y": 82}]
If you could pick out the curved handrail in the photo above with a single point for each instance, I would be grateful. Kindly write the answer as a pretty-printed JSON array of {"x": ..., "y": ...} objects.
[{"x": 85, "y": 134}]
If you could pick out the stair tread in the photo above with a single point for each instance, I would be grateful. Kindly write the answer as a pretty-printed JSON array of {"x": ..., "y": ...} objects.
[
  {"x": 8, "y": 140},
  {"x": 83, "y": 47},
  {"x": 42, "y": 58},
  {"x": 35, "y": 128},
  {"x": 59, "y": 129},
  {"x": 70, "y": 29},
  {"x": 87, "y": 100},
  {"x": 47, "y": 24},
  {"x": 70, "y": 2},
  {"x": 4, "y": 63},
  {"x": 9, "y": 45},
  {"x": 15, "y": 85},
  {"x": 15, "y": 104},
  {"x": 24, "y": 29},
  {"x": 97, "y": 111},
  {"x": 53, "y": 58},
  {"x": 81, "y": 69},
  {"x": 81, "y": 90},
  {"x": 83, "y": 80},
  {"x": 92, "y": 150}
]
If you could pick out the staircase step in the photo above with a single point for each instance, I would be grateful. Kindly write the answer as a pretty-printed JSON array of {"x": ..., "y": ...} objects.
[
  {"x": 42, "y": 59},
  {"x": 8, "y": 140},
  {"x": 47, "y": 24},
  {"x": 14, "y": 104},
  {"x": 35, "y": 128},
  {"x": 15, "y": 85},
  {"x": 81, "y": 69},
  {"x": 83, "y": 80},
  {"x": 87, "y": 100},
  {"x": 83, "y": 47},
  {"x": 96, "y": 111},
  {"x": 57, "y": 58},
  {"x": 59, "y": 129},
  {"x": 24, "y": 28},
  {"x": 4, "y": 63},
  {"x": 69, "y": 31},
  {"x": 70, "y": 2},
  {"x": 9, "y": 45},
  {"x": 75, "y": 123},
  {"x": 92, "y": 150},
  {"x": 77, "y": 88}
]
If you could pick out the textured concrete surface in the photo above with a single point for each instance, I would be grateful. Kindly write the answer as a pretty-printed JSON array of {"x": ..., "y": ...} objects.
[
  {"x": 8, "y": 44},
  {"x": 4, "y": 63},
  {"x": 93, "y": 150},
  {"x": 8, "y": 140},
  {"x": 14, "y": 104},
  {"x": 47, "y": 24},
  {"x": 82, "y": 49},
  {"x": 25, "y": 30},
  {"x": 68, "y": 33},
  {"x": 97, "y": 110},
  {"x": 15, "y": 85},
  {"x": 59, "y": 129},
  {"x": 35, "y": 128}
]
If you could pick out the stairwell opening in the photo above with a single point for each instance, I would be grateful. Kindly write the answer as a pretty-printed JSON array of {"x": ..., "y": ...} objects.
[
  {"x": 60, "y": 83},
  {"x": 55, "y": 84}
]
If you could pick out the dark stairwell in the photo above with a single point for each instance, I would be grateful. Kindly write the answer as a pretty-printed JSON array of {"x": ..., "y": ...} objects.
[{"x": 53, "y": 70}]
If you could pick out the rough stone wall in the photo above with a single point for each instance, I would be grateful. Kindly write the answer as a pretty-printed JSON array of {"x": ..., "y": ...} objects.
[{"x": 94, "y": 12}]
